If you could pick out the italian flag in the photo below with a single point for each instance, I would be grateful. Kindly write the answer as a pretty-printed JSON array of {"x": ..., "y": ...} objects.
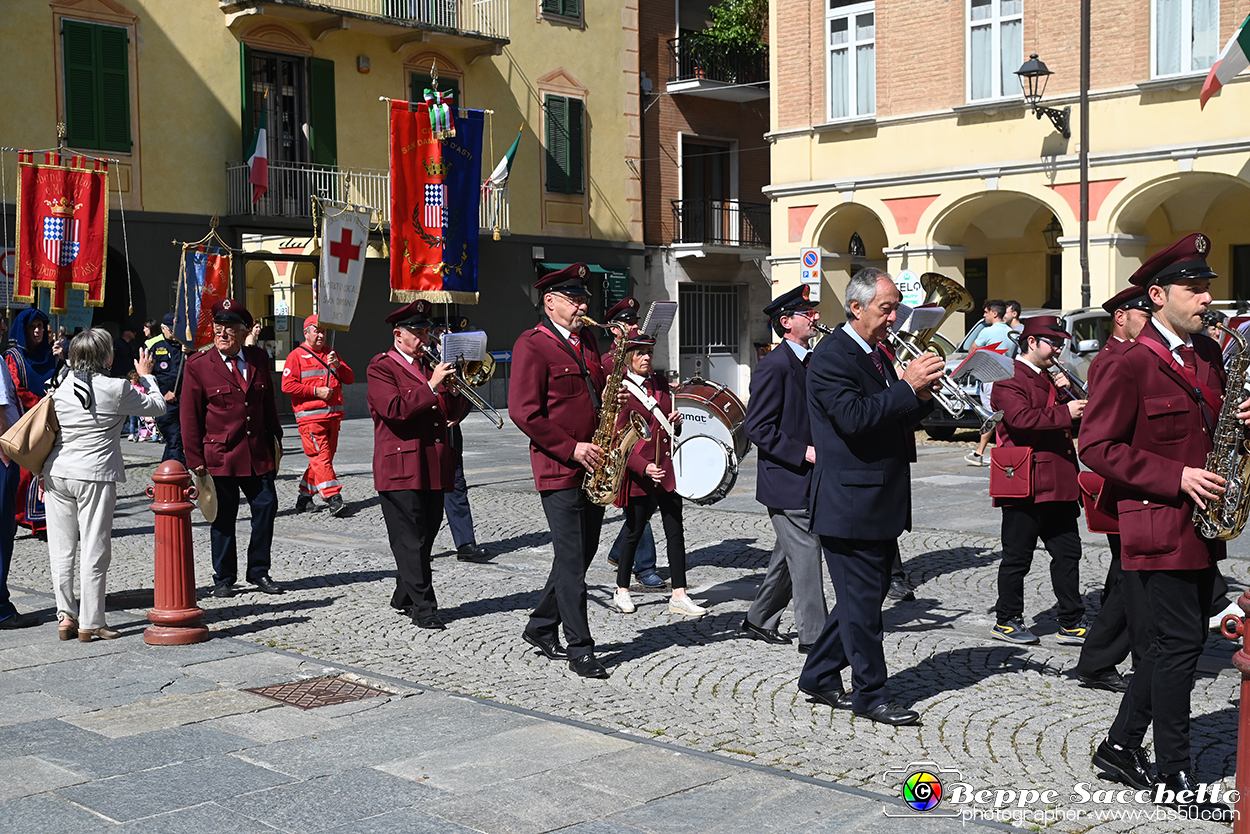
[
  {"x": 257, "y": 157},
  {"x": 499, "y": 177},
  {"x": 1234, "y": 59}
]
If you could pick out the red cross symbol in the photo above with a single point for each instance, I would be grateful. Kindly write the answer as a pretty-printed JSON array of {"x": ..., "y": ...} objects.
[{"x": 344, "y": 250}]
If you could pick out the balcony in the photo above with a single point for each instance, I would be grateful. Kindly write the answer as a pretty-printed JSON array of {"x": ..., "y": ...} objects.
[
  {"x": 292, "y": 186},
  {"x": 698, "y": 66},
  {"x": 701, "y": 226},
  {"x": 476, "y": 25}
]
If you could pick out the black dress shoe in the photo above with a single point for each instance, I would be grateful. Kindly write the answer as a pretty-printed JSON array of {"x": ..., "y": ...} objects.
[
  {"x": 836, "y": 698},
  {"x": 891, "y": 713},
  {"x": 1126, "y": 764},
  {"x": 303, "y": 503},
  {"x": 432, "y": 622},
  {"x": 267, "y": 585},
  {"x": 550, "y": 647},
  {"x": 805, "y": 648},
  {"x": 222, "y": 591},
  {"x": 1111, "y": 681},
  {"x": 1180, "y": 791},
  {"x": 586, "y": 666},
  {"x": 472, "y": 552},
  {"x": 337, "y": 506},
  {"x": 17, "y": 621},
  {"x": 898, "y": 590},
  {"x": 768, "y": 635}
]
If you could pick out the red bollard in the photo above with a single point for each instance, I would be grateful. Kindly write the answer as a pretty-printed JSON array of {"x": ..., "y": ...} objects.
[
  {"x": 1233, "y": 627},
  {"x": 176, "y": 617}
]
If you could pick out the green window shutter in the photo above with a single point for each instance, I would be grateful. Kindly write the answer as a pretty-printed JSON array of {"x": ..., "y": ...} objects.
[
  {"x": 114, "y": 89},
  {"x": 322, "y": 120},
  {"x": 552, "y": 6},
  {"x": 576, "y": 147},
  {"x": 557, "y": 144},
  {"x": 80, "y": 88},
  {"x": 571, "y": 8},
  {"x": 245, "y": 84},
  {"x": 419, "y": 82}
]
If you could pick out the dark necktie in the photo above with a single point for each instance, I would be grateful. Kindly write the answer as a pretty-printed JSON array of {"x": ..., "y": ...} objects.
[
  {"x": 575, "y": 341},
  {"x": 234, "y": 362},
  {"x": 876, "y": 360},
  {"x": 1188, "y": 358},
  {"x": 807, "y": 359}
]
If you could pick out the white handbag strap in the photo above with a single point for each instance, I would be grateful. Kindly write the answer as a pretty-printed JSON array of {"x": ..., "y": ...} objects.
[{"x": 652, "y": 406}]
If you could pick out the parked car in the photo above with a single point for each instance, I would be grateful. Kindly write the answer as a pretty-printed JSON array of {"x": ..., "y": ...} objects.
[{"x": 1089, "y": 327}]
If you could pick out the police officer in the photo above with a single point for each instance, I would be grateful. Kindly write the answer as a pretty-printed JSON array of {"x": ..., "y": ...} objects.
[{"x": 167, "y": 357}]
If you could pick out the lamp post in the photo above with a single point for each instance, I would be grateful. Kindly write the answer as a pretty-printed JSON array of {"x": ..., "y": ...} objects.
[{"x": 1033, "y": 76}]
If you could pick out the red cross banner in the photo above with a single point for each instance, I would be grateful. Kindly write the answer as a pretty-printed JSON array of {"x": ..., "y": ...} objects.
[
  {"x": 62, "y": 228},
  {"x": 344, "y": 238}
]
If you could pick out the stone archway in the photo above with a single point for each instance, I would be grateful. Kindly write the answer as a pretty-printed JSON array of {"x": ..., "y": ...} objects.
[{"x": 835, "y": 233}]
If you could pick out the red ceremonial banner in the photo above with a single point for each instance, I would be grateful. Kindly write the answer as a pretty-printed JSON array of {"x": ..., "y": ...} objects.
[
  {"x": 62, "y": 227},
  {"x": 416, "y": 234}
]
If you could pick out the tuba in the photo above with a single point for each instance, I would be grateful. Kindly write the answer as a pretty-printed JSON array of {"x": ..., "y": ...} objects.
[
  {"x": 1225, "y": 516},
  {"x": 941, "y": 291},
  {"x": 604, "y": 483}
]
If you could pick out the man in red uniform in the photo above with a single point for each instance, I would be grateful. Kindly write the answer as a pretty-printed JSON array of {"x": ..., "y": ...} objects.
[
  {"x": 1148, "y": 432},
  {"x": 412, "y": 459},
  {"x": 314, "y": 376},
  {"x": 1037, "y": 415},
  {"x": 554, "y": 398},
  {"x": 230, "y": 427}
]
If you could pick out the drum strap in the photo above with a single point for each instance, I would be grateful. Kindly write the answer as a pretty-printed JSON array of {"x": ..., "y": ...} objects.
[{"x": 649, "y": 401}]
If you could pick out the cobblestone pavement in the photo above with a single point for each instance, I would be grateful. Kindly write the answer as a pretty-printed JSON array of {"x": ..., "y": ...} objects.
[{"x": 1004, "y": 716}]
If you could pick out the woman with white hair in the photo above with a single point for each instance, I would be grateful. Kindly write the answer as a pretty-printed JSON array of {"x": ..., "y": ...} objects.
[{"x": 81, "y": 475}]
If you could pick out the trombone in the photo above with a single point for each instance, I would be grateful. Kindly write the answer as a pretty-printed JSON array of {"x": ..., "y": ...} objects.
[
  {"x": 479, "y": 371},
  {"x": 1076, "y": 389}
]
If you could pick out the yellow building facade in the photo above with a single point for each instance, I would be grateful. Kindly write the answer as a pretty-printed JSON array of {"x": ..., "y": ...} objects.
[{"x": 928, "y": 159}]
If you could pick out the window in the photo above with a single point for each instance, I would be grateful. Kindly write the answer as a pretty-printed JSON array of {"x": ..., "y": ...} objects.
[
  {"x": 563, "y": 8},
  {"x": 995, "y": 48},
  {"x": 97, "y": 86},
  {"x": 419, "y": 82},
  {"x": 708, "y": 318},
  {"x": 1186, "y": 35},
  {"x": 564, "y": 145},
  {"x": 852, "y": 59},
  {"x": 300, "y": 112}
]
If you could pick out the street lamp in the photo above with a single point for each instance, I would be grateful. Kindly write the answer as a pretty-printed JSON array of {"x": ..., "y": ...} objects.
[
  {"x": 1052, "y": 233},
  {"x": 1033, "y": 77}
]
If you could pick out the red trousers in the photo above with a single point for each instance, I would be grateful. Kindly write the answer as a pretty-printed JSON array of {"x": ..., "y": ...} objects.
[{"x": 321, "y": 441}]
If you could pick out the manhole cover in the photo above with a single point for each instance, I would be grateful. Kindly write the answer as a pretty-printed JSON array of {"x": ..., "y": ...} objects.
[{"x": 320, "y": 692}]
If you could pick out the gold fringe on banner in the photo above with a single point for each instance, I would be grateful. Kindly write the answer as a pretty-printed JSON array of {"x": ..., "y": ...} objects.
[{"x": 433, "y": 296}]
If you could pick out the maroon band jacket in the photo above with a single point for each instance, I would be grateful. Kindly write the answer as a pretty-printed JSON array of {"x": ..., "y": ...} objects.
[
  {"x": 549, "y": 402},
  {"x": 227, "y": 427},
  {"x": 657, "y": 450},
  {"x": 1142, "y": 427},
  {"x": 1028, "y": 420}
]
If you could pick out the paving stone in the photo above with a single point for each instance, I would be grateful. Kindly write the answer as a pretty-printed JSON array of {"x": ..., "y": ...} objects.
[
  {"x": 27, "y": 775},
  {"x": 325, "y": 802},
  {"x": 47, "y": 813},
  {"x": 529, "y": 805},
  {"x": 104, "y": 757},
  {"x": 280, "y": 724},
  {"x": 406, "y": 820},
  {"x": 209, "y": 817},
  {"x": 169, "y": 711},
  {"x": 164, "y": 789}
]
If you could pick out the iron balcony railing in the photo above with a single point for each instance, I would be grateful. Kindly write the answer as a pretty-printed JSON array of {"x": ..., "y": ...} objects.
[
  {"x": 697, "y": 57},
  {"x": 293, "y": 184},
  {"x": 722, "y": 223},
  {"x": 481, "y": 17}
]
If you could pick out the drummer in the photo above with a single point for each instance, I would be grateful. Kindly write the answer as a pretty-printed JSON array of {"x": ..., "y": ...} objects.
[{"x": 649, "y": 482}]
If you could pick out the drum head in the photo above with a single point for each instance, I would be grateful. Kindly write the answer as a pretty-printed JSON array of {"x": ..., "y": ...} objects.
[
  {"x": 704, "y": 469},
  {"x": 711, "y": 409}
]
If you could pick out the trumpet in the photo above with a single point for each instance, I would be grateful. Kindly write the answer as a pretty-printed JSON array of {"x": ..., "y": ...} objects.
[{"x": 456, "y": 385}]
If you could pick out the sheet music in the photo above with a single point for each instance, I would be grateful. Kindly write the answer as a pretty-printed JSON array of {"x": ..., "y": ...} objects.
[
  {"x": 985, "y": 365},
  {"x": 469, "y": 346},
  {"x": 915, "y": 319},
  {"x": 659, "y": 318}
]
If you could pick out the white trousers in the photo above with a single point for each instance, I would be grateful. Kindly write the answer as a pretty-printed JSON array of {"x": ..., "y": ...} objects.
[{"x": 80, "y": 513}]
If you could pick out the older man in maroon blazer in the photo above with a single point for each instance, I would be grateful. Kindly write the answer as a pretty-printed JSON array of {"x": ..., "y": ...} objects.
[
  {"x": 554, "y": 399},
  {"x": 1148, "y": 432},
  {"x": 413, "y": 464},
  {"x": 1042, "y": 417},
  {"x": 230, "y": 430}
]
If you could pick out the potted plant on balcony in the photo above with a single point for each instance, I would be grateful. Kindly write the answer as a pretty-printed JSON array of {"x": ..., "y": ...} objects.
[{"x": 736, "y": 38}]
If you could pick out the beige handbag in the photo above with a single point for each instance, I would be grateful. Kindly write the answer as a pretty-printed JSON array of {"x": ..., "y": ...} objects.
[{"x": 29, "y": 441}]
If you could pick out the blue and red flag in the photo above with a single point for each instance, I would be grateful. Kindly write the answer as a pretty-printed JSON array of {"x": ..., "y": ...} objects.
[
  {"x": 435, "y": 198},
  {"x": 204, "y": 280}
]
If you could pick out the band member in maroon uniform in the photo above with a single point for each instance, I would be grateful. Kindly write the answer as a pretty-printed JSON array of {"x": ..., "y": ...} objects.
[{"x": 412, "y": 460}]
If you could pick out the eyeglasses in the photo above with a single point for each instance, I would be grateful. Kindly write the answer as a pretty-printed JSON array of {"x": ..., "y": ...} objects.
[
  {"x": 1057, "y": 344},
  {"x": 810, "y": 315}
]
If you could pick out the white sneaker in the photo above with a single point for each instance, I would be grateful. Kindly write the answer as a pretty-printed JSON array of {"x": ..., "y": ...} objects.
[
  {"x": 623, "y": 601},
  {"x": 685, "y": 606},
  {"x": 1214, "y": 622},
  {"x": 973, "y": 459}
]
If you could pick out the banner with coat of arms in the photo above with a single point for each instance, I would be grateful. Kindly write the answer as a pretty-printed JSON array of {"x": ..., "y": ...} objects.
[
  {"x": 203, "y": 280},
  {"x": 435, "y": 197},
  {"x": 62, "y": 227}
]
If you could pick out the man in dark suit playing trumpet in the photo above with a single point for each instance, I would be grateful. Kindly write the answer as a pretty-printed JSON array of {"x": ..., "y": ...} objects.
[{"x": 863, "y": 419}]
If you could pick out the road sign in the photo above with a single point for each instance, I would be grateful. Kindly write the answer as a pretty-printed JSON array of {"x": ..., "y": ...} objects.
[
  {"x": 909, "y": 286},
  {"x": 810, "y": 265}
]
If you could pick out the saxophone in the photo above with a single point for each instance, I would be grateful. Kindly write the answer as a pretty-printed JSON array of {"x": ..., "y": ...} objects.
[
  {"x": 1225, "y": 517},
  {"x": 604, "y": 483}
]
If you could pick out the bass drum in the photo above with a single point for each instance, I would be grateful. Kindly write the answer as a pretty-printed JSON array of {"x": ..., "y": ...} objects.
[
  {"x": 709, "y": 408},
  {"x": 705, "y": 469}
]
